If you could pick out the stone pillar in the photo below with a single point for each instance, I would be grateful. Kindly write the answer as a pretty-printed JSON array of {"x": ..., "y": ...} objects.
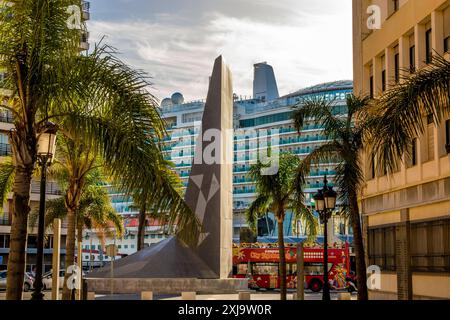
[
  {"x": 147, "y": 295},
  {"x": 188, "y": 296},
  {"x": 403, "y": 257},
  {"x": 244, "y": 295},
  {"x": 56, "y": 258},
  {"x": 419, "y": 39},
  {"x": 437, "y": 26}
]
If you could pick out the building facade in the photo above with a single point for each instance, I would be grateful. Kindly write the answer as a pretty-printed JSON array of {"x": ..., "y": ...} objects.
[{"x": 407, "y": 215}]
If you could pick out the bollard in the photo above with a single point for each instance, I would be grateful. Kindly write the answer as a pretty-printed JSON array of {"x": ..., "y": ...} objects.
[
  {"x": 146, "y": 295},
  {"x": 344, "y": 296},
  {"x": 188, "y": 296},
  {"x": 85, "y": 289},
  {"x": 244, "y": 295},
  {"x": 91, "y": 296}
]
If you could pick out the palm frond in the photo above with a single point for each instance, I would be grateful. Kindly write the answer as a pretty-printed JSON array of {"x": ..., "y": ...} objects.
[
  {"x": 258, "y": 208},
  {"x": 319, "y": 111},
  {"x": 403, "y": 108}
]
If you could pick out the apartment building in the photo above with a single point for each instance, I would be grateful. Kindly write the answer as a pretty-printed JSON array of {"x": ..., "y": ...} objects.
[
  {"x": 52, "y": 189},
  {"x": 406, "y": 216}
]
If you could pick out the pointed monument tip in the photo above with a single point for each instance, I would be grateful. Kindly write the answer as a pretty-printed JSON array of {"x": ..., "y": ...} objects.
[{"x": 220, "y": 58}]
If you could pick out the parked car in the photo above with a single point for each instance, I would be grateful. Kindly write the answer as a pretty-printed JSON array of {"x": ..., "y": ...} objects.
[
  {"x": 47, "y": 279},
  {"x": 27, "y": 282}
]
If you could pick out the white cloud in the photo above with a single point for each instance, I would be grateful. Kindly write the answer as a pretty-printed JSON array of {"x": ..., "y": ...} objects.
[{"x": 308, "y": 48}]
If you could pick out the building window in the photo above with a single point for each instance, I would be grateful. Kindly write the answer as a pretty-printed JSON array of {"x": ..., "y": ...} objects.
[
  {"x": 429, "y": 48},
  {"x": 412, "y": 59},
  {"x": 396, "y": 4},
  {"x": 383, "y": 80},
  {"x": 430, "y": 246},
  {"x": 447, "y": 136},
  {"x": 371, "y": 87},
  {"x": 447, "y": 44},
  {"x": 414, "y": 152},
  {"x": 372, "y": 168},
  {"x": 397, "y": 67},
  {"x": 382, "y": 248}
]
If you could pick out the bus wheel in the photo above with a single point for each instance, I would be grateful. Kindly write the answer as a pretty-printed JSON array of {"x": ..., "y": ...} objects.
[{"x": 315, "y": 285}]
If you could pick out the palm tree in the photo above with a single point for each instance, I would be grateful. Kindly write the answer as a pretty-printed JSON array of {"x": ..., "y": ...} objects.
[
  {"x": 94, "y": 211},
  {"x": 345, "y": 134},
  {"x": 401, "y": 110},
  {"x": 152, "y": 202},
  {"x": 96, "y": 98},
  {"x": 275, "y": 193}
]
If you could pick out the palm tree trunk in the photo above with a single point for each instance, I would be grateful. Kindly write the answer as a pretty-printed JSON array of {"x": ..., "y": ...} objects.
[
  {"x": 70, "y": 250},
  {"x": 359, "y": 248},
  {"x": 18, "y": 242},
  {"x": 282, "y": 258},
  {"x": 141, "y": 228},
  {"x": 72, "y": 201}
]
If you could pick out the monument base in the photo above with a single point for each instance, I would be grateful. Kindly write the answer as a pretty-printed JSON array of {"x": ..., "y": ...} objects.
[{"x": 166, "y": 286}]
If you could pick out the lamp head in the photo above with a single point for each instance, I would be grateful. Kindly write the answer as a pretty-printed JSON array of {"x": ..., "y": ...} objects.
[{"x": 47, "y": 142}]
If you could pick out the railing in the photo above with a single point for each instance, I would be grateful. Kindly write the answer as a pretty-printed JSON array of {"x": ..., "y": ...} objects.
[
  {"x": 244, "y": 191},
  {"x": 52, "y": 188},
  {"x": 86, "y": 6},
  {"x": 242, "y": 180},
  {"x": 4, "y": 221},
  {"x": 6, "y": 117},
  {"x": 5, "y": 149}
]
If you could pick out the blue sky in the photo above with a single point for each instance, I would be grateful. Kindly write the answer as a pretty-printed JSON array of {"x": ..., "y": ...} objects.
[{"x": 175, "y": 41}]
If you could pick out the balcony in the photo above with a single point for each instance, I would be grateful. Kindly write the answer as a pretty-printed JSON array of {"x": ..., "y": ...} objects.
[
  {"x": 250, "y": 190},
  {"x": 84, "y": 38},
  {"x": 85, "y": 8},
  {"x": 240, "y": 169},
  {"x": 4, "y": 220},
  {"x": 6, "y": 117},
  {"x": 51, "y": 189}
]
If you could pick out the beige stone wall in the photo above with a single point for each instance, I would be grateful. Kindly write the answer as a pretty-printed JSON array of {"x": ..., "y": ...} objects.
[{"x": 424, "y": 189}]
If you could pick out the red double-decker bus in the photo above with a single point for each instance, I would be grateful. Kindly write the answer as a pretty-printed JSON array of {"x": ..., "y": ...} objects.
[{"x": 260, "y": 263}]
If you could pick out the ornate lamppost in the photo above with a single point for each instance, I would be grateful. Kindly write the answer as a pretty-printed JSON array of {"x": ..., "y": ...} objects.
[
  {"x": 325, "y": 200},
  {"x": 46, "y": 154}
]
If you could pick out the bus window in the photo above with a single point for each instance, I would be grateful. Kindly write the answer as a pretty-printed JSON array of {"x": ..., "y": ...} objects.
[
  {"x": 265, "y": 269},
  {"x": 242, "y": 268},
  {"x": 291, "y": 269},
  {"x": 314, "y": 269}
]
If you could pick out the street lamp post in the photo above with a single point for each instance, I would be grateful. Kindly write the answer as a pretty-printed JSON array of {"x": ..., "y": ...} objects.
[
  {"x": 46, "y": 153},
  {"x": 325, "y": 200}
]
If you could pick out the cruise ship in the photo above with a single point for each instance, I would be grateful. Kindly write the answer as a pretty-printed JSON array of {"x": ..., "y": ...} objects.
[{"x": 265, "y": 116}]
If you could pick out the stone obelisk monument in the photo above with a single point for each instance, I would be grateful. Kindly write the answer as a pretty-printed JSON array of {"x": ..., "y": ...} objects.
[
  {"x": 210, "y": 190},
  {"x": 172, "y": 266}
]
